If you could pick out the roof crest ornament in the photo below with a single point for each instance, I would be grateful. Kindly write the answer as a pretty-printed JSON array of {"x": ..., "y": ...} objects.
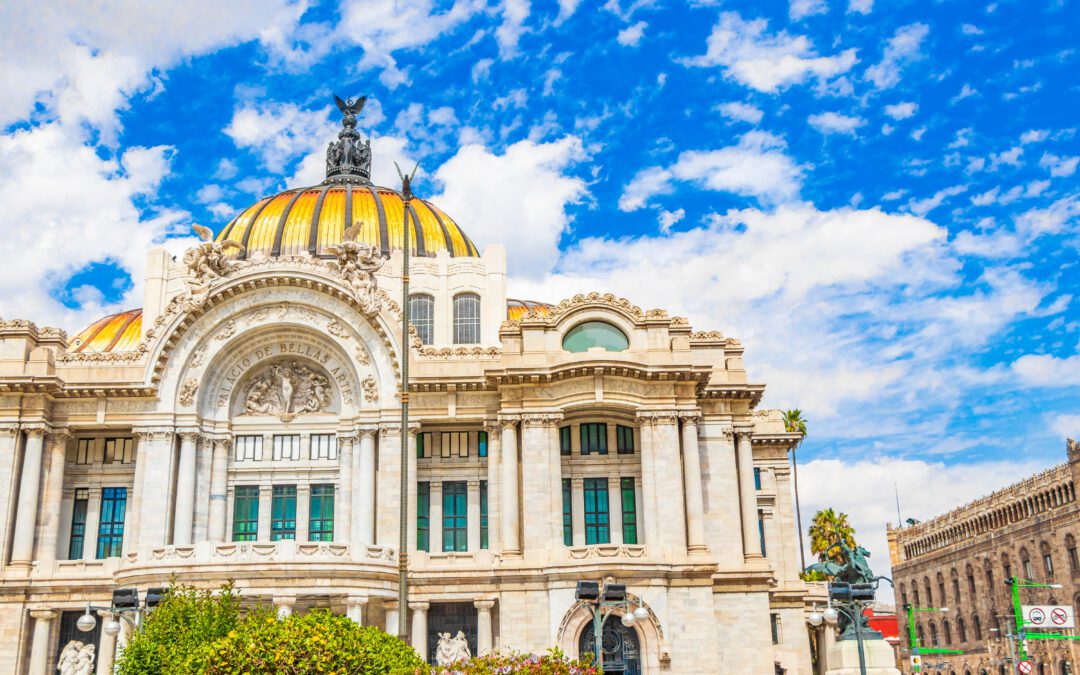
[{"x": 348, "y": 159}]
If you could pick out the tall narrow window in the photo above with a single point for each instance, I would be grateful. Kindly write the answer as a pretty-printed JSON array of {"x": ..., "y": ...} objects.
[
  {"x": 629, "y": 511},
  {"x": 624, "y": 438},
  {"x": 246, "y": 513},
  {"x": 422, "y": 316},
  {"x": 467, "y": 319},
  {"x": 774, "y": 623},
  {"x": 757, "y": 478},
  {"x": 78, "y": 524},
  {"x": 594, "y": 438},
  {"x": 249, "y": 447},
  {"x": 481, "y": 444},
  {"x": 85, "y": 451},
  {"x": 455, "y": 519},
  {"x": 423, "y": 445},
  {"x": 483, "y": 514},
  {"x": 321, "y": 521},
  {"x": 564, "y": 440},
  {"x": 423, "y": 517},
  {"x": 454, "y": 444},
  {"x": 286, "y": 446},
  {"x": 283, "y": 513},
  {"x": 324, "y": 446},
  {"x": 567, "y": 511},
  {"x": 111, "y": 526},
  {"x": 761, "y": 530},
  {"x": 597, "y": 530},
  {"x": 119, "y": 451}
]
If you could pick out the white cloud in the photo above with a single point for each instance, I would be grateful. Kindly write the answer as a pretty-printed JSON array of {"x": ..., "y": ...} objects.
[
  {"x": 566, "y": 10},
  {"x": 509, "y": 32},
  {"x": 756, "y": 167},
  {"x": 743, "y": 112},
  {"x": 924, "y": 206},
  {"x": 631, "y": 35},
  {"x": 860, "y": 6},
  {"x": 1044, "y": 370},
  {"x": 1034, "y": 136},
  {"x": 669, "y": 218},
  {"x": 1010, "y": 157},
  {"x": 519, "y": 196},
  {"x": 967, "y": 91},
  {"x": 901, "y": 111},
  {"x": 902, "y": 48},
  {"x": 763, "y": 61},
  {"x": 835, "y": 123},
  {"x": 1060, "y": 167},
  {"x": 970, "y": 29},
  {"x": 1066, "y": 426},
  {"x": 917, "y": 134},
  {"x": 800, "y": 9},
  {"x": 279, "y": 132}
]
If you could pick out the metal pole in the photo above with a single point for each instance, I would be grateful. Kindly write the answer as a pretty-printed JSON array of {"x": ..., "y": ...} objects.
[
  {"x": 1012, "y": 651},
  {"x": 798, "y": 509},
  {"x": 858, "y": 635},
  {"x": 403, "y": 534},
  {"x": 598, "y": 635},
  {"x": 912, "y": 637}
]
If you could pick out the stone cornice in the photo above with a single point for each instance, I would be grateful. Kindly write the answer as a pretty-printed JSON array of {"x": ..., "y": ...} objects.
[{"x": 541, "y": 419}]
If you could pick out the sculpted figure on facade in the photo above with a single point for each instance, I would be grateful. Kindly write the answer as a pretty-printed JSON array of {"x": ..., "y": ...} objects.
[
  {"x": 452, "y": 649},
  {"x": 356, "y": 264},
  {"x": 206, "y": 263},
  {"x": 287, "y": 389},
  {"x": 76, "y": 659}
]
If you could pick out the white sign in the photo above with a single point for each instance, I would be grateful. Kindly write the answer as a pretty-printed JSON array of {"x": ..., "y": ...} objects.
[
  {"x": 1048, "y": 616},
  {"x": 1024, "y": 667},
  {"x": 916, "y": 660}
]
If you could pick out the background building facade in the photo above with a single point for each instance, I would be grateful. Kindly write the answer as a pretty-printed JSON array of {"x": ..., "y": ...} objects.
[
  {"x": 962, "y": 559},
  {"x": 244, "y": 424}
]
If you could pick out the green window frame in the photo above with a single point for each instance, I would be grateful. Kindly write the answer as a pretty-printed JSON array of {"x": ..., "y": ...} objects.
[
  {"x": 455, "y": 516},
  {"x": 757, "y": 478},
  {"x": 481, "y": 444},
  {"x": 423, "y": 445},
  {"x": 321, "y": 510},
  {"x": 629, "y": 511},
  {"x": 483, "y": 514},
  {"x": 567, "y": 512},
  {"x": 564, "y": 441},
  {"x": 423, "y": 516},
  {"x": 597, "y": 525},
  {"x": 283, "y": 513},
  {"x": 624, "y": 439},
  {"x": 245, "y": 513},
  {"x": 761, "y": 530},
  {"x": 594, "y": 438},
  {"x": 110, "y": 542},
  {"x": 78, "y": 524}
]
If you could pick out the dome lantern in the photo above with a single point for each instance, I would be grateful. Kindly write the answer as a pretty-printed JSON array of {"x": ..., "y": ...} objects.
[{"x": 348, "y": 159}]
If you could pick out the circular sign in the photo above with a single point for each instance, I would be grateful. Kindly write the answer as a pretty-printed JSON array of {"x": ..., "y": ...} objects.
[
  {"x": 1024, "y": 667},
  {"x": 1059, "y": 616},
  {"x": 1037, "y": 616}
]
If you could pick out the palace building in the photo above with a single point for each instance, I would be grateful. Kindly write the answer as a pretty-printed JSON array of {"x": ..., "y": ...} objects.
[{"x": 245, "y": 424}]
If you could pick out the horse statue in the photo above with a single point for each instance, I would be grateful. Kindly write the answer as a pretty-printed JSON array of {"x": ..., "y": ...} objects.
[{"x": 854, "y": 570}]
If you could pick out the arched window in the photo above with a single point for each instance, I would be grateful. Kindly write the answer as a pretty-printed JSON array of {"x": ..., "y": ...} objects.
[
  {"x": 961, "y": 630},
  {"x": 955, "y": 578},
  {"x": 976, "y": 625},
  {"x": 585, "y": 336},
  {"x": 941, "y": 588},
  {"x": 946, "y": 630},
  {"x": 467, "y": 319},
  {"x": 1070, "y": 551},
  {"x": 970, "y": 574},
  {"x": 1006, "y": 567},
  {"x": 915, "y": 593},
  {"x": 1025, "y": 565},
  {"x": 903, "y": 594},
  {"x": 422, "y": 316},
  {"x": 933, "y": 634},
  {"x": 919, "y": 633},
  {"x": 1047, "y": 560},
  {"x": 929, "y": 593}
]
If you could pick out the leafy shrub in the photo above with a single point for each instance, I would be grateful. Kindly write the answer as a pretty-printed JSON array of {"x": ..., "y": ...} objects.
[{"x": 552, "y": 663}]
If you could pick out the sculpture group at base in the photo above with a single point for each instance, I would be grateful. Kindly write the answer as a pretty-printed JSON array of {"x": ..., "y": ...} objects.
[
  {"x": 76, "y": 659},
  {"x": 452, "y": 649}
]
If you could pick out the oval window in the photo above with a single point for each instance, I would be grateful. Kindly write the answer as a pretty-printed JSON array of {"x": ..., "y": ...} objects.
[{"x": 591, "y": 334}]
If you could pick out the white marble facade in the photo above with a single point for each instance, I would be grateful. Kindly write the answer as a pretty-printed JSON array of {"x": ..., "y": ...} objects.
[{"x": 275, "y": 391}]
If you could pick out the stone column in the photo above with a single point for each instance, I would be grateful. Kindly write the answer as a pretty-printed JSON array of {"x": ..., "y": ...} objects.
[
  {"x": 184, "y": 513},
  {"x": 577, "y": 510},
  {"x": 106, "y": 654},
  {"x": 266, "y": 497},
  {"x": 9, "y": 468},
  {"x": 695, "y": 503},
  {"x": 392, "y": 618},
  {"x": 647, "y": 515},
  {"x": 49, "y": 532},
  {"x": 661, "y": 471},
  {"x": 747, "y": 494},
  {"x": 473, "y": 515},
  {"x": 410, "y": 438},
  {"x": 343, "y": 507},
  {"x": 39, "y": 648},
  {"x": 387, "y": 511},
  {"x": 126, "y": 629},
  {"x": 544, "y": 471},
  {"x": 435, "y": 517},
  {"x": 303, "y": 512},
  {"x": 494, "y": 484},
  {"x": 418, "y": 636},
  {"x": 93, "y": 523},
  {"x": 153, "y": 493},
  {"x": 510, "y": 514},
  {"x": 219, "y": 482},
  {"x": 133, "y": 519},
  {"x": 364, "y": 487},
  {"x": 614, "y": 490},
  {"x": 22, "y": 546},
  {"x": 284, "y": 605},
  {"x": 484, "y": 639},
  {"x": 354, "y": 608}
]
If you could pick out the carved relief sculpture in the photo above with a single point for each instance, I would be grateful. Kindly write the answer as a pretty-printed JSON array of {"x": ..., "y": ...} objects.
[
  {"x": 187, "y": 391},
  {"x": 206, "y": 263},
  {"x": 76, "y": 659},
  {"x": 371, "y": 389},
  {"x": 452, "y": 649},
  {"x": 287, "y": 389},
  {"x": 356, "y": 264}
]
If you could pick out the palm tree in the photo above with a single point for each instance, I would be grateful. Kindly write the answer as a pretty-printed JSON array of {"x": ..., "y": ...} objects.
[
  {"x": 827, "y": 529},
  {"x": 795, "y": 423}
]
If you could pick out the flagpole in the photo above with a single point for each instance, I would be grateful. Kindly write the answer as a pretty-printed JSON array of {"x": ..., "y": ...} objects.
[{"x": 403, "y": 534}]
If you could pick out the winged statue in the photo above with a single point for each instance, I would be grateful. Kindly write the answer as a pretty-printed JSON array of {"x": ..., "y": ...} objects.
[
  {"x": 206, "y": 261},
  {"x": 351, "y": 106},
  {"x": 356, "y": 262}
]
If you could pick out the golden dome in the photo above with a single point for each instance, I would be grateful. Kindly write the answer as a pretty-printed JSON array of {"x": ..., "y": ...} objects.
[
  {"x": 516, "y": 310},
  {"x": 114, "y": 333},
  {"x": 308, "y": 220}
]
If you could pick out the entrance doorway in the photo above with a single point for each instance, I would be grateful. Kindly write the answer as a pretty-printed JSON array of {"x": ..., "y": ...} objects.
[
  {"x": 451, "y": 617},
  {"x": 622, "y": 650}
]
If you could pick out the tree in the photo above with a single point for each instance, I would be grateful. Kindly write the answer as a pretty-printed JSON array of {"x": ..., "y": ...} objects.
[
  {"x": 827, "y": 529},
  {"x": 795, "y": 423}
]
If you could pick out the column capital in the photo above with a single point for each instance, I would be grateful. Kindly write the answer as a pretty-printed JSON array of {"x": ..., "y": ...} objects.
[
  {"x": 347, "y": 437},
  {"x": 421, "y": 607},
  {"x": 542, "y": 419},
  {"x": 153, "y": 433},
  {"x": 59, "y": 436},
  {"x": 657, "y": 417},
  {"x": 224, "y": 442},
  {"x": 484, "y": 605},
  {"x": 35, "y": 431},
  {"x": 357, "y": 600},
  {"x": 9, "y": 429},
  {"x": 367, "y": 431},
  {"x": 690, "y": 416},
  {"x": 188, "y": 435},
  {"x": 43, "y": 614},
  {"x": 493, "y": 426},
  {"x": 743, "y": 431},
  {"x": 506, "y": 421}
]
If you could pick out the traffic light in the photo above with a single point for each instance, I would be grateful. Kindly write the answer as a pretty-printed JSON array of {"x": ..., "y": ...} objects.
[{"x": 1009, "y": 582}]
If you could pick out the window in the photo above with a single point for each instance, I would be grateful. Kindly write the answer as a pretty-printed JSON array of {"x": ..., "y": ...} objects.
[
  {"x": 78, "y": 524},
  {"x": 941, "y": 588},
  {"x": 774, "y": 623},
  {"x": 455, "y": 533},
  {"x": 1008, "y": 571},
  {"x": 624, "y": 439},
  {"x": 423, "y": 516},
  {"x": 970, "y": 581},
  {"x": 85, "y": 451},
  {"x": 111, "y": 526},
  {"x": 287, "y": 447},
  {"x": 283, "y": 513},
  {"x": 567, "y": 511},
  {"x": 903, "y": 594},
  {"x": 585, "y": 336},
  {"x": 249, "y": 447},
  {"x": 119, "y": 451},
  {"x": 976, "y": 626},
  {"x": 946, "y": 631},
  {"x": 423, "y": 445},
  {"x": 757, "y": 478},
  {"x": 422, "y": 316},
  {"x": 1025, "y": 562},
  {"x": 455, "y": 444},
  {"x": 761, "y": 530},
  {"x": 989, "y": 578},
  {"x": 915, "y": 593},
  {"x": 629, "y": 511},
  {"x": 594, "y": 438},
  {"x": 1048, "y": 565},
  {"x": 961, "y": 630},
  {"x": 321, "y": 510},
  {"x": 324, "y": 446},
  {"x": 483, "y": 513},
  {"x": 956, "y": 588},
  {"x": 481, "y": 444},
  {"x": 1070, "y": 549},
  {"x": 596, "y": 511},
  {"x": 246, "y": 513},
  {"x": 564, "y": 441},
  {"x": 467, "y": 319},
  {"x": 933, "y": 635}
]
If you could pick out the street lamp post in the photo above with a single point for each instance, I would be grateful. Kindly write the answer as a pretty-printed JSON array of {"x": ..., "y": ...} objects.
[
  {"x": 610, "y": 597},
  {"x": 124, "y": 606}
]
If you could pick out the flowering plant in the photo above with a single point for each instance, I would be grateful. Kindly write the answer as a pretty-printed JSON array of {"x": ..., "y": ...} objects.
[{"x": 507, "y": 663}]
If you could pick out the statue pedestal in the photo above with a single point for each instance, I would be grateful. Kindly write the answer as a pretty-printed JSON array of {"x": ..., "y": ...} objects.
[{"x": 843, "y": 658}]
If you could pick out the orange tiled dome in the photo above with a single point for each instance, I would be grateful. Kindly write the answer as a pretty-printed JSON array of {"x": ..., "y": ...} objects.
[{"x": 114, "y": 333}]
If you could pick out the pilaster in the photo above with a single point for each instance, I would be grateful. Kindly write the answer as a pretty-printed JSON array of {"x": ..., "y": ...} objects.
[
  {"x": 52, "y": 499},
  {"x": 540, "y": 453}
]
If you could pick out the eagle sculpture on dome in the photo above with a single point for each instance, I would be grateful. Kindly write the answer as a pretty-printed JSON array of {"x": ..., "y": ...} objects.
[
  {"x": 351, "y": 106},
  {"x": 349, "y": 155}
]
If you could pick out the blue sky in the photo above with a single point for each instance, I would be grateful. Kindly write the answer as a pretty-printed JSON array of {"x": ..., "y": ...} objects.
[{"x": 880, "y": 199}]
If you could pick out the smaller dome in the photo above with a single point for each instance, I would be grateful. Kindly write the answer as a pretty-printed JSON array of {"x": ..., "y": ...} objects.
[
  {"x": 114, "y": 333},
  {"x": 518, "y": 309}
]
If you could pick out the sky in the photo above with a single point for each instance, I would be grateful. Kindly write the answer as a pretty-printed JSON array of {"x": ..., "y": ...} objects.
[{"x": 879, "y": 199}]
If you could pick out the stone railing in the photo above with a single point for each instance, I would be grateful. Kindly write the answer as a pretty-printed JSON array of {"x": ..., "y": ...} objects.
[
  {"x": 253, "y": 552},
  {"x": 634, "y": 551}
]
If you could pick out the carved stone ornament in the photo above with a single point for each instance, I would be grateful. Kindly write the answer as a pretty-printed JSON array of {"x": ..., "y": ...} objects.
[
  {"x": 287, "y": 389},
  {"x": 227, "y": 332},
  {"x": 76, "y": 659},
  {"x": 187, "y": 391},
  {"x": 356, "y": 264},
  {"x": 336, "y": 329},
  {"x": 206, "y": 264},
  {"x": 362, "y": 356},
  {"x": 371, "y": 389}
]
